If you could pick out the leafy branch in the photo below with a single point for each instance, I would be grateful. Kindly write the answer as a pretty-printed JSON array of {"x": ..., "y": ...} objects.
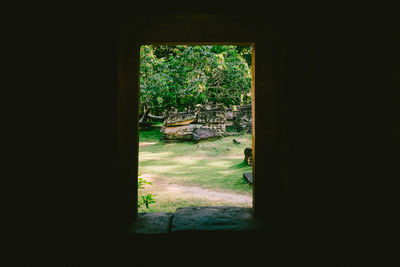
[
  {"x": 185, "y": 76},
  {"x": 146, "y": 199}
]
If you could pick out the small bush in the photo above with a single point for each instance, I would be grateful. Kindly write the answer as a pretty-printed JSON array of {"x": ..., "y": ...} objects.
[{"x": 145, "y": 199}]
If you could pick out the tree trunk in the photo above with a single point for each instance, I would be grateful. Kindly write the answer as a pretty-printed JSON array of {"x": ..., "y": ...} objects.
[{"x": 144, "y": 117}]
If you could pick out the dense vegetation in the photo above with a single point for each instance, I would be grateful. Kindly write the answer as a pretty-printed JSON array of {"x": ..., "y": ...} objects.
[{"x": 183, "y": 76}]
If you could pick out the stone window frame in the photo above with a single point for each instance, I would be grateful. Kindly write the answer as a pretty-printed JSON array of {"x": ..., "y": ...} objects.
[{"x": 269, "y": 180}]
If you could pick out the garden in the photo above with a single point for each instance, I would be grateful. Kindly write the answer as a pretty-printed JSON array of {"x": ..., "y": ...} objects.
[{"x": 195, "y": 125}]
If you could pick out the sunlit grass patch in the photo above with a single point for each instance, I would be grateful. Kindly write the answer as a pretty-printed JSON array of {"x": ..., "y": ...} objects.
[
  {"x": 155, "y": 156},
  {"x": 214, "y": 165}
]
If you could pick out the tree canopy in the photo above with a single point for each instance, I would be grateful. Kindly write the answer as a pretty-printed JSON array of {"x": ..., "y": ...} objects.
[{"x": 184, "y": 76}]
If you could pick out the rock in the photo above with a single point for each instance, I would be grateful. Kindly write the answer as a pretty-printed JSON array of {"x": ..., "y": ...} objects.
[
  {"x": 236, "y": 142},
  {"x": 248, "y": 176},
  {"x": 185, "y": 132},
  {"x": 212, "y": 107},
  {"x": 206, "y": 107},
  {"x": 244, "y": 108},
  {"x": 218, "y": 129},
  {"x": 211, "y": 116},
  {"x": 205, "y": 122},
  {"x": 242, "y": 118},
  {"x": 204, "y": 132},
  {"x": 229, "y": 115},
  {"x": 248, "y": 156},
  {"x": 180, "y": 119},
  {"x": 243, "y": 122},
  {"x": 229, "y": 123},
  {"x": 179, "y": 132}
]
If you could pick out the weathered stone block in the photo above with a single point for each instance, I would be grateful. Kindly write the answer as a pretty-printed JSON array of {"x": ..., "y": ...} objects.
[
  {"x": 180, "y": 119},
  {"x": 244, "y": 108},
  {"x": 206, "y": 122},
  {"x": 248, "y": 156},
  {"x": 211, "y": 116},
  {"x": 229, "y": 115},
  {"x": 214, "y": 219},
  {"x": 243, "y": 121},
  {"x": 205, "y": 132},
  {"x": 248, "y": 176},
  {"x": 229, "y": 123},
  {"x": 194, "y": 132},
  {"x": 179, "y": 132}
]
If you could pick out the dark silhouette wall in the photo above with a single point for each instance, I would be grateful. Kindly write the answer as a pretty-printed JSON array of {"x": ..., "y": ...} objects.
[{"x": 337, "y": 135}]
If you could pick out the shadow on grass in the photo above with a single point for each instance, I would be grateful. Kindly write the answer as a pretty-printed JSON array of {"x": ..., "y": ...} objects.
[{"x": 216, "y": 165}]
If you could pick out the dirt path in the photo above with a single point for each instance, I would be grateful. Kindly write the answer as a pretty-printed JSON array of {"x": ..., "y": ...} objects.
[
  {"x": 141, "y": 144},
  {"x": 160, "y": 185}
]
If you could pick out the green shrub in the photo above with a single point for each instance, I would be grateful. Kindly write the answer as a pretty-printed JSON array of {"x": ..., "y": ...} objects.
[{"x": 146, "y": 199}]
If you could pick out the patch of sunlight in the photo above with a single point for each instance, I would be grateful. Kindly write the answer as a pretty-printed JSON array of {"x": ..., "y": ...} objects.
[
  {"x": 161, "y": 169},
  {"x": 187, "y": 160},
  {"x": 220, "y": 163},
  {"x": 158, "y": 155},
  {"x": 190, "y": 171},
  {"x": 226, "y": 172}
]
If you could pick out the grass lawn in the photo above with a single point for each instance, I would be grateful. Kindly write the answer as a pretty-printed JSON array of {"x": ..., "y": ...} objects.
[{"x": 213, "y": 165}]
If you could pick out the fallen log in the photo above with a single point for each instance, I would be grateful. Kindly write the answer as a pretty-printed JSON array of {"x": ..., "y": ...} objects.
[
  {"x": 157, "y": 118},
  {"x": 144, "y": 117}
]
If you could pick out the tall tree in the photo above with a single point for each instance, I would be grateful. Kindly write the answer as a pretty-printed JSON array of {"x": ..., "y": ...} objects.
[{"x": 184, "y": 76}]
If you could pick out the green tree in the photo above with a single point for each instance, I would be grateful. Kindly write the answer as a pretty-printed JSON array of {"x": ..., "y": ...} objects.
[{"x": 184, "y": 76}]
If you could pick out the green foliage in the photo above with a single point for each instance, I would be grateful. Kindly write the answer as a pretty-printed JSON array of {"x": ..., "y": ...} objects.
[
  {"x": 152, "y": 135},
  {"x": 146, "y": 199},
  {"x": 141, "y": 181},
  {"x": 184, "y": 76}
]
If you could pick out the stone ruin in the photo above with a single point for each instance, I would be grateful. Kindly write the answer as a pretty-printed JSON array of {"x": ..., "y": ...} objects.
[
  {"x": 242, "y": 119},
  {"x": 205, "y": 123},
  {"x": 248, "y": 156},
  {"x": 248, "y": 160}
]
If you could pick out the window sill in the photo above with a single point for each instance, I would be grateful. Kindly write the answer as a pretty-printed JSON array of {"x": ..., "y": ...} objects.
[{"x": 197, "y": 219}]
